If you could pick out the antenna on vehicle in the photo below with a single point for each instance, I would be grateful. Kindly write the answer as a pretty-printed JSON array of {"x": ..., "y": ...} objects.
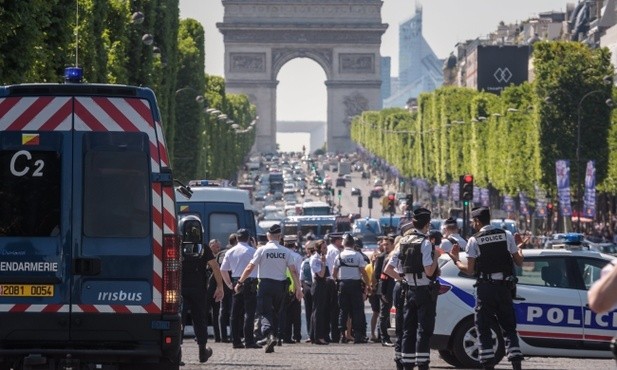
[{"x": 76, "y": 33}]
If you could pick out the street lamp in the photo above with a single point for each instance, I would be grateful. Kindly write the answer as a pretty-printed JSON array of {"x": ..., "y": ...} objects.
[{"x": 607, "y": 80}]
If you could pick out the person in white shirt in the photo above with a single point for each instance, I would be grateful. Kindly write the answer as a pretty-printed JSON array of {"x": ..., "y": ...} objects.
[
  {"x": 333, "y": 250},
  {"x": 272, "y": 261},
  {"x": 243, "y": 304},
  {"x": 451, "y": 236}
]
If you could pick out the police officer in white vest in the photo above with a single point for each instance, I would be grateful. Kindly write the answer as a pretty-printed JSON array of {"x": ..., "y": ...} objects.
[
  {"x": 491, "y": 255},
  {"x": 417, "y": 259},
  {"x": 349, "y": 270},
  {"x": 272, "y": 261},
  {"x": 243, "y": 304}
]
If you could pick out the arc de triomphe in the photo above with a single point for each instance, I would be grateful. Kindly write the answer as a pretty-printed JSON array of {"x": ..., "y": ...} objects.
[{"x": 342, "y": 36}]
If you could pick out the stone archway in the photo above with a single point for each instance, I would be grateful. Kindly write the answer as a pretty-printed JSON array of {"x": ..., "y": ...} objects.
[{"x": 343, "y": 37}]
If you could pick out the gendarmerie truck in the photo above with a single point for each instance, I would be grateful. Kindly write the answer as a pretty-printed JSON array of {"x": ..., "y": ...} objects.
[{"x": 89, "y": 251}]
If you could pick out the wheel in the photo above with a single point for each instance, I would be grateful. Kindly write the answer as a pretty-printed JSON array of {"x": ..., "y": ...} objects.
[
  {"x": 466, "y": 344},
  {"x": 449, "y": 357}
]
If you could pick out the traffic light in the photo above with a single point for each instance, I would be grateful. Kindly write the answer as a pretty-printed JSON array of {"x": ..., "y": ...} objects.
[
  {"x": 370, "y": 202},
  {"x": 340, "y": 193},
  {"x": 466, "y": 188},
  {"x": 391, "y": 206},
  {"x": 360, "y": 201}
]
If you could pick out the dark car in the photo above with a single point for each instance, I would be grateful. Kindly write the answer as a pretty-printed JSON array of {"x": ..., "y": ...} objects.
[
  {"x": 377, "y": 192},
  {"x": 340, "y": 181},
  {"x": 356, "y": 191}
]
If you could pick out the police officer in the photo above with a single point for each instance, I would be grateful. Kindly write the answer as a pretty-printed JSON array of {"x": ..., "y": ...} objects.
[
  {"x": 307, "y": 283},
  {"x": 384, "y": 286},
  {"x": 194, "y": 298},
  {"x": 243, "y": 304},
  {"x": 333, "y": 250},
  {"x": 349, "y": 269},
  {"x": 293, "y": 308},
  {"x": 272, "y": 261},
  {"x": 418, "y": 261},
  {"x": 320, "y": 319},
  {"x": 451, "y": 236},
  {"x": 490, "y": 256},
  {"x": 225, "y": 312}
]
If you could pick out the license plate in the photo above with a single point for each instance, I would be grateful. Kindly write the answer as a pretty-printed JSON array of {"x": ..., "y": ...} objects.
[{"x": 26, "y": 290}]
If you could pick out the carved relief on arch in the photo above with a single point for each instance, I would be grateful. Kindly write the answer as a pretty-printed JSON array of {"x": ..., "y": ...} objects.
[
  {"x": 355, "y": 104},
  {"x": 322, "y": 56}
]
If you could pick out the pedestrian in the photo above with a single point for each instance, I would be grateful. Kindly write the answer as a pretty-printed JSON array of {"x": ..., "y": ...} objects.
[
  {"x": 320, "y": 319},
  {"x": 349, "y": 270},
  {"x": 307, "y": 282},
  {"x": 384, "y": 288},
  {"x": 373, "y": 298},
  {"x": 244, "y": 303},
  {"x": 194, "y": 294},
  {"x": 333, "y": 250},
  {"x": 451, "y": 236},
  {"x": 491, "y": 255},
  {"x": 417, "y": 259},
  {"x": 272, "y": 261},
  {"x": 225, "y": 314}
]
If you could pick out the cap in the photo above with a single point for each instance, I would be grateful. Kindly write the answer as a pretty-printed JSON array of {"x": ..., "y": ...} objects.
[
  {"x": 422, "y": 214},
  {"x": 243, "y": 233},
  {"x": 333, "y": 236},
  {"x": 358, "y": 243},
  {"x": 480, "y": 212},
  {"x": 450, "y": 222},
  {"x": 275, "y": 229},
  {"x": 290, "y": 239}
]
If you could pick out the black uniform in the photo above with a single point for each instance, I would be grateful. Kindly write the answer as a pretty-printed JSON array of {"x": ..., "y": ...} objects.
[
  {"x": 492, "y": 248},
  {"x": 385, "y": 287},
  {"x": 194, "y": 290},
  {"x": 419, "y": 303},
  {"x": 223, "y": 315}
]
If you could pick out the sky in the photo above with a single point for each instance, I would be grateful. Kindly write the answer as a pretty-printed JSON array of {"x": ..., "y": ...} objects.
[{"x": 445, "y": 23}]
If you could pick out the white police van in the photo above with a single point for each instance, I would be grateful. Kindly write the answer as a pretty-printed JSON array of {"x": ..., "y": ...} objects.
[
  {"x": 553, "y": 317},
  {"x": 90, "y": 254},
  {"x": 222, "y": 210}
]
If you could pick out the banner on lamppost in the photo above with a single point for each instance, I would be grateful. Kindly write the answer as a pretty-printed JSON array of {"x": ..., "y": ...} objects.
[
  {"x": 562, "y": 168},
  {"x": 476, "y": 194},
  {"x": 540, "y": 202},
  {"x": 590, "y": 190},
  {"x": 437, "y": 191},
  {"x": 444, "y": 191},
  {"x": 508, "y": 203},
  {"x": 522, "y": 204},
  {"x": 454, "y": 190},
  {"x": 484, "y": 197}
]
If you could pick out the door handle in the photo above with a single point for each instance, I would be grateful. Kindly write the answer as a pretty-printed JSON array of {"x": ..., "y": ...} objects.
[
  {"x": 86, "y": 266},
  {"x": 518, "y": 298}
]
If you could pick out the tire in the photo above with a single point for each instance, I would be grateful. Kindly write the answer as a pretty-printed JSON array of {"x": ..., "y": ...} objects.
[
  {"x": 449, "y": 358},
  {"x": 466, "y": 344}
]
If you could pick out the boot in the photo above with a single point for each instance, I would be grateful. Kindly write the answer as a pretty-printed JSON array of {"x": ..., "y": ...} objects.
[
  {"x": 204, "y": 353},
  {"x": 399, "y": 365},
  {"x": 516, "y": 365}
]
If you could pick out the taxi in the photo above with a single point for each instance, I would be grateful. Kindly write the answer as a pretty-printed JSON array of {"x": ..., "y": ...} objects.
[{"x": 553, "y": 317}]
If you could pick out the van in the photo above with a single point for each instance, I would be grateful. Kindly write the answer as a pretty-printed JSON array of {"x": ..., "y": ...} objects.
[
  {"x": 89, "y": 273},
  {"x": 221, "y": 210}
]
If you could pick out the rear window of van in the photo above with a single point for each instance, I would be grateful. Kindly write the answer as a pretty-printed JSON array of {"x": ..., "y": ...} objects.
[
  {"x": 29, "y": 193},
  {"x": 116, "y": 190}
]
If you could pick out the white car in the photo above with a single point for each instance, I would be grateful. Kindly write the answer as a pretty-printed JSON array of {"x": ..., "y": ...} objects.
[{"x": 553, "y": 317}]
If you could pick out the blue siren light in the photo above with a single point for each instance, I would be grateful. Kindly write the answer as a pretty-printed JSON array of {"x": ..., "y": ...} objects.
[
  {"x": 73, "y": 74},
  {"x": 574, "y": 238}
]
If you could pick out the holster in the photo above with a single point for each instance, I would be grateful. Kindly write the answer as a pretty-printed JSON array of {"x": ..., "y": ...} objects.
[{"x": 433, "y": 289}]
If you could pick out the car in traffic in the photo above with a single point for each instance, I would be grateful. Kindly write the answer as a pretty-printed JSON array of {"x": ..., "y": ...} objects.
[
  {"x": 377, "y": 192},
  {"x": 356, "y": 191},
  {"x": 340, "y": 181},
  {"x": 552, "y": 313}
]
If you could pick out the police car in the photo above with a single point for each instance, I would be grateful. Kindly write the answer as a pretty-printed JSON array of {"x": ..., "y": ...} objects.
[{"x": 553, "y": 317}]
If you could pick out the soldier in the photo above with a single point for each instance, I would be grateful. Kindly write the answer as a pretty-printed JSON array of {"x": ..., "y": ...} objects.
[
  {"x": 418, "y": 261},
  {"x": 491, "y": 253},
  {"x": 349, "y": 269},
  {"x": 243, "y": 304},
  {"x": 272, "y": 261}
]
